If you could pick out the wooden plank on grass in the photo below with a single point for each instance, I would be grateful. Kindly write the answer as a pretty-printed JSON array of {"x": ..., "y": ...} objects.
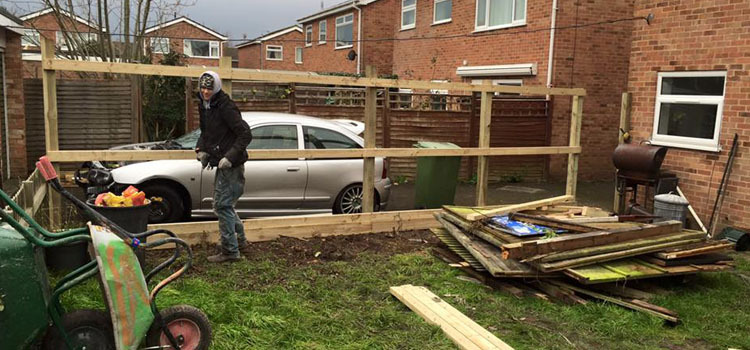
[
  {"x": 527, "y": 249},
  {"x": 639, "y": 306},
  {"x": 631, "y": 269},
  {"x": 466, "y": 333},
  {"x": 258, "y": 230}
]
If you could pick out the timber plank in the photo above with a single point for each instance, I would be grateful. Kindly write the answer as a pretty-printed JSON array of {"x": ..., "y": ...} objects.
[
  {"x": 466, "y": 333},
  {"x": 569, "y": 242}
]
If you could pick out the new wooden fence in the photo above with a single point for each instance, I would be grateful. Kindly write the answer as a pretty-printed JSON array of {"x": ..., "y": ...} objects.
[{"x": 408, "y": 118}]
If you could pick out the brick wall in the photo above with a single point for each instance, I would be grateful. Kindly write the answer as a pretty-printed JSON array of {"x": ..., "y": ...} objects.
[
  {"x": 47, "y": 26},
  {"x": 690, "y": 35},
  {"x": 324, "y": 57},
  {"x": 185, "y": 30},
  {"x": 16, "y": 114},
  {"x": 288, "y": 43},
  {"x": 379, "y": 20},
  {"x": 595, "y": 58},
  {"x": 249, "y": 56}
]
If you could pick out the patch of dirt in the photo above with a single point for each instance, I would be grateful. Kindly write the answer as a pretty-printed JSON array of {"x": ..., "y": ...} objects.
[
  {"x": 299, "y": 252},
  {"x": 690, "y": 344}
]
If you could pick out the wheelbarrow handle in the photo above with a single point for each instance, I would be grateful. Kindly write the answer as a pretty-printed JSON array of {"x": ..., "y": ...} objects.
[{"x": 46, "y": 169}]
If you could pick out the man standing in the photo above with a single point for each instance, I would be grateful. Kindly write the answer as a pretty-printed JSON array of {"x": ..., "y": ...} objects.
[{"x": 223, "y": 145}]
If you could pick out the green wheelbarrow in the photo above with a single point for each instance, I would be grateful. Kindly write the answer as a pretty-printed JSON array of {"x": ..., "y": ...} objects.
[{"x": 30, "y": 311}]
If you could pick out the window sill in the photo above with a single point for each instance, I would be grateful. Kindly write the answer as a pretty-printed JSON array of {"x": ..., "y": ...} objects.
[
  {"x": 274, "y": 59},
  {"x": 505, "y": 26},
  {"x": 308, "y": 45},
  {"x": 686, "y": 146},
  {"x": 204, "y": 57},
  {"x": 321, "y": 42},
  {"x": 344, "y": 47},
  {"x": 297, "y": 62},
  {"x": 442, "y": 22},
  {"x": 407, "y": 28}
]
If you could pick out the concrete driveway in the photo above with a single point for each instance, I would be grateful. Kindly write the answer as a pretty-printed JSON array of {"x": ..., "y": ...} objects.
[{"x": 598, "y": 194}]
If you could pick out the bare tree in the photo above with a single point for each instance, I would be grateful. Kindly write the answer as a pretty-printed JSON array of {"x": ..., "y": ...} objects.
[{"x": 115, "y": 29}]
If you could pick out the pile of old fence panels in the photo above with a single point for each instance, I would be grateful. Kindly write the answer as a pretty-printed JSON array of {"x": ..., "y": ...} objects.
[{"x": 569, "y": 252}]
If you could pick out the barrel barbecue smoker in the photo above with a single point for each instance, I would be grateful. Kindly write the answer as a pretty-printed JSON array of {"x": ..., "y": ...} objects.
[{"x": 640, "y": 165}]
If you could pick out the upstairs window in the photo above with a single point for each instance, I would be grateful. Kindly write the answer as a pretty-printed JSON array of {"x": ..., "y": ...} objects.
[
  {"x": 160, "y": 45},
  {"x": 688, "y": 109},
  {"x": 274, "y": 53},
  {"x": 443, "y": 11},
  {"x": 408, "y": 14},
  {"x": 322, "y": 31},
  {"x": 62, "y": 41},
  {"x": 308, "y": 35},
  {"x": 344, "y": 31},
  {"x": 31, "y": 38},
  {"x": 201, "y": 48},
  {"x": 298, "y": 55},
  {"x": 492, "y": 14}
]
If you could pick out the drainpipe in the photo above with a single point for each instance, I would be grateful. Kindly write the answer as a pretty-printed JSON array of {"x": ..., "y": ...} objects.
[
  {"x": 5, "y": 112},
  {"x": 551, "y": 44},
  {"x": 359, "y": 35}
]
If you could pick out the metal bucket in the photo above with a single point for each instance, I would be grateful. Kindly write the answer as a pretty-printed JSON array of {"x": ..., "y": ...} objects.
[{"x": 670, "y": 207}]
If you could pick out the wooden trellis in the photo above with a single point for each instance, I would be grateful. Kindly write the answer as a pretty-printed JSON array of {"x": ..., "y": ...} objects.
[{"x": 358, "y": 223}]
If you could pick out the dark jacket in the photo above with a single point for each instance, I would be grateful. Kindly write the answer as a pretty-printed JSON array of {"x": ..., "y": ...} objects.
[{"x": 223, "y": 132}]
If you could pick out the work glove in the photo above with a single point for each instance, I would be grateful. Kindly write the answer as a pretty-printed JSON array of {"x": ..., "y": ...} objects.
[
  {"x": 203, "y": 158},
  {"x": 224, "y": 163}
]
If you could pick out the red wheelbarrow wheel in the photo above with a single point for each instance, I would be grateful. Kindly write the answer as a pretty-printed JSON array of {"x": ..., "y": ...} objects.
[{"x": 187, "y": 324}]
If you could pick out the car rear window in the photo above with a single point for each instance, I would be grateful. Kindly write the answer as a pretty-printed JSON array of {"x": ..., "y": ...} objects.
[{"x": 319, "y": 138}]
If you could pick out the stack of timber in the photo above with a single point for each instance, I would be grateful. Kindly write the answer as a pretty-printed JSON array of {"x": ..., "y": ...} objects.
[{"x": 563, "y": 251}]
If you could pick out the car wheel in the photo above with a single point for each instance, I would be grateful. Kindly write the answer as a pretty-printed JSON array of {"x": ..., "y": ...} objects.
[
  {"x": 349, "y": 201},
  {"x": 166, "y": 204}
]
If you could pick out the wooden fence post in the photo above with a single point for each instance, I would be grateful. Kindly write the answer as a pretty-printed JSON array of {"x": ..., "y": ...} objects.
[
  {"x": 368, "y": 172},
  {"x": 386, "y": 119},
  {"x": 627, "y": 99},
  {"x": 49, "y": 88},
  {"x": 576, "y": 115},
  {"x": 292, "y": 98},
  {"x": 225, "y": 69},
  {"x": 485, "y": 119}
]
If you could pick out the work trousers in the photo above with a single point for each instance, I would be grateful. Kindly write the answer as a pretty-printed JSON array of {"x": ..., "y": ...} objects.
[{"x": 229, "y": 185}]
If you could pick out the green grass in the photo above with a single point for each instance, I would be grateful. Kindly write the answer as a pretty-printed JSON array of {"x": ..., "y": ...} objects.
[{"x": 266, "y": 303}]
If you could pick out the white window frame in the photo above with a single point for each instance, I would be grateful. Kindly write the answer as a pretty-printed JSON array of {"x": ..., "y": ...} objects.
[
  {"x": 297, "y": 54},
  {"x": 153, "y": 40},
  {"x": 34, "y": 35},
  {"x": 488, "y": 11},
  {"x": 434, "y": 13},
  {"x": 351, "y": 22},
  {"x": 212, "y": 44},
  {"x": 683, "y": 141},
  {"x": 275, "y": 48},
  {"x": 308, "y": 35},
  {"x": 405, "y": 9},
  {"x": 63, "y": 43},
  {"x": 322, "y": 31}
]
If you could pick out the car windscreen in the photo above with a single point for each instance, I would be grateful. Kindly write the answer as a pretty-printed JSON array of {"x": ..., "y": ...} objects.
[{"x": 189, "y": 140}]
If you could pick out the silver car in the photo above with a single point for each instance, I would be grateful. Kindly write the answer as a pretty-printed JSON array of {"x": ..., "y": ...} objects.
[{"x": 272, "y": 187}]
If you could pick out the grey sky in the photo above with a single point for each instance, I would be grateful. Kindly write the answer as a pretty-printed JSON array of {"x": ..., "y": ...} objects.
[
  {"x": 251, "y": 17},
  {"x": 232, "y": 17}
]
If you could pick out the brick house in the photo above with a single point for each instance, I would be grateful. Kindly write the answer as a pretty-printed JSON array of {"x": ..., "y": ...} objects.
[
  {"x": 13, "y": 115},
  {"x": 277, "y": 50},
  {"x": 201, "y": 45},
  {"x": 690, "y": 83},
  {"x": 43, "y": 23}
]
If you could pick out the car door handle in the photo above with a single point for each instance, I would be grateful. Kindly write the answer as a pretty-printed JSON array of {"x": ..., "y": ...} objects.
[{"x": 292, "y": 168}]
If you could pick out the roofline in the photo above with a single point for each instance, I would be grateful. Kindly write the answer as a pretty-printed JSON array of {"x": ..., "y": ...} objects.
[
  {"x": 47, "y": 10},
  {"x": 335, "y": 9},
  {"x": 188, "y": 20},
  {"x": 272, "y": 35},
  {"x": 10, "y": 22}
]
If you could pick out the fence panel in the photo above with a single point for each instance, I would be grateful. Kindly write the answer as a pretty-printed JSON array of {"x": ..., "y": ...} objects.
[{"x": 92, "y": 115}]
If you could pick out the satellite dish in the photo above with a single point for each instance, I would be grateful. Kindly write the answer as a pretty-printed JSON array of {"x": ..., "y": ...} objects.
[{"x": 351, "y": 56}]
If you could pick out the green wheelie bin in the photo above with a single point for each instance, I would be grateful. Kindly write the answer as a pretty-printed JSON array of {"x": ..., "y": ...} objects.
[{"x": 436, "y": 177}]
